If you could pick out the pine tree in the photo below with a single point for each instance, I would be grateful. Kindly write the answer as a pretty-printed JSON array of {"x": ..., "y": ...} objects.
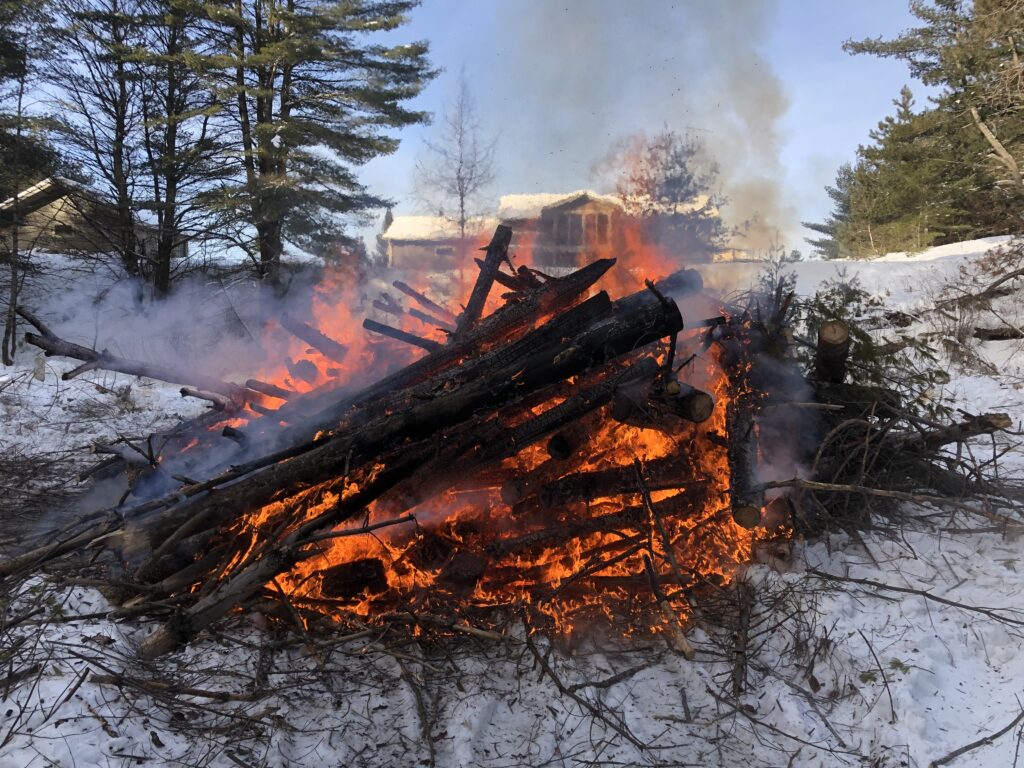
[
  {"x": 830, "y": 245},
  {"x": 973, "y": 51},
  {"x": 183, "y": 156},
  {"x": 100, "y": 89},
  {"x": 669, "y": 180},
  {"x": 312, "y": 92},
  {"x": 25, "y": 155}
]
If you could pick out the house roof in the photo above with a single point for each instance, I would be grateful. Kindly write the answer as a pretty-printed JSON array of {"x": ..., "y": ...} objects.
[
  {"x": 44, "y": 192},
  {"x": 513, "y": 207},
  {"x": 434, "y": 228}
]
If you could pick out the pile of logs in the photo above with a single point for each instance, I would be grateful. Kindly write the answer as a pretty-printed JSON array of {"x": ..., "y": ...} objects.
[{"x": 543, "y": 372}]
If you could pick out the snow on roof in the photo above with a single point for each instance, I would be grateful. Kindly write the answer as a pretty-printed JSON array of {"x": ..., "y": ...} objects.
[
  {"x": 511, "y": 207},
  {"x": 434, "y": 228},
  {"x": 45, "y": 191}
]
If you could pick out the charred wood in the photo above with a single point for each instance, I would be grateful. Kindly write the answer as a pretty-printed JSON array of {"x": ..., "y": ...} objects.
[
  {"x": 400, "y": 335},
  {"x": 497, "y": 252},
  {"x": 431, "y": 306},
  {"x": 746, "y": 492},
  {"x": 271, "y": 390},
  {"x": 322, "y": 343}
]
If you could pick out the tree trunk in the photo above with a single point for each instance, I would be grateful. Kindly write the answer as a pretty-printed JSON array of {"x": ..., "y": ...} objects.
[{"x": 1005, "y": 158}]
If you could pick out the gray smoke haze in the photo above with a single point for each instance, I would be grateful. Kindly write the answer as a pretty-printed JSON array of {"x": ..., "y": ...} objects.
[{"x": 579, "y": 74}]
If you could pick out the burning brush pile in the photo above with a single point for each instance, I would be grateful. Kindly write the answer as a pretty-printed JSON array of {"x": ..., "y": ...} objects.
[{"x": 553, "y": 448}]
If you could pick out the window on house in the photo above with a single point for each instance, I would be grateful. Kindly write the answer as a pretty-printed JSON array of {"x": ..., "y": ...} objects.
[
  {"x": 602, "y": 228},
  {"x": 575, "y": 229},
  {"x": 64, "y": 230},
  {"x": 444, "y": 250},
  {"x": 562, "y": 230},
  {"x": 590, "y": 228}
]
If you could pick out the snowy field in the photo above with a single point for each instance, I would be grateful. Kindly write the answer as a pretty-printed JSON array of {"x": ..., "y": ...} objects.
[{"x": 888, "y": 651}]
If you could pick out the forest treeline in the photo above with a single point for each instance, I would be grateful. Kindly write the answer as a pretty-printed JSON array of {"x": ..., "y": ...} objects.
[
  {"x": 950, "y": 167},
  {"x": 236, "y": 121}
]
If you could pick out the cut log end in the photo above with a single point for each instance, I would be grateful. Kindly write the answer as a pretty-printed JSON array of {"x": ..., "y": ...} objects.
[
  {"x": 832, "y": 351},
  {"x": 746, "y": 515}
]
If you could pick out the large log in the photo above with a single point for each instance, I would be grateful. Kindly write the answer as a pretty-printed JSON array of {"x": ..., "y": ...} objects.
[
  {"x": 52, "y": 344},
  {"x": 746, "y": 491},
  {"x": 497, "y": 252},
  {"x": 322, "y": 343}
]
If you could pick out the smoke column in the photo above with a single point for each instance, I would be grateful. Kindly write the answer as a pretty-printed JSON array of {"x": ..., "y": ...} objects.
[{"x": 579, "y": 74}]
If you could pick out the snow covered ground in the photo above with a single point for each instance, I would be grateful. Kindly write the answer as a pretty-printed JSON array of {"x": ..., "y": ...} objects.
[{"x": 889, "y": 651}]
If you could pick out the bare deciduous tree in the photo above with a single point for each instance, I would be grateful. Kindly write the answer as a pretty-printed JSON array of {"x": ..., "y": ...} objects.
[{"x": 459, "y": 164}]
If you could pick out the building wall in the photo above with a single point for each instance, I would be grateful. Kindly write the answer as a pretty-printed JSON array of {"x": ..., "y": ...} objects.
[
  {"x": 73, "y": 225},
  {"x": 423, "y": 255},
  {"x": 575, "y": 233},
  {"x": 65, "y": 226}
]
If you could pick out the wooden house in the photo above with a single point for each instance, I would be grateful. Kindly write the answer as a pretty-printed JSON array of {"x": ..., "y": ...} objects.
[
  {"x": 566, "y": 230},
  {"x": 61, "y": 216},
  {"x": 429, "y": 243}
]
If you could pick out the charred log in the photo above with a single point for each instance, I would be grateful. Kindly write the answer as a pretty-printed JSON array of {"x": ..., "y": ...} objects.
[
  {"x": 322, "y": 343},
  {"x": 400, "y": 335}
]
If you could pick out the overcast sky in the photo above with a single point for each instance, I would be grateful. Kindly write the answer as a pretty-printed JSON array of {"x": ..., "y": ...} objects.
[{"x": 767, "y": 85}]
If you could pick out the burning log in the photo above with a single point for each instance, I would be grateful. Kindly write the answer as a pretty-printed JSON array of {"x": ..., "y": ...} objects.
[
  {"x": 399, "y": 335},
  {"x": 533, "y": 496},
  {"x": 323, "y": 344},
  {"x": 497, "y": 252},
  {"x": 658, "y": 407},
  {"x": 746, "y": 492},
  {"x": 430, "y": 320},
  {"x": 271, "y": 390},
  {"x": 431, "y": 306},
  {"x": 832, "y": 350}
]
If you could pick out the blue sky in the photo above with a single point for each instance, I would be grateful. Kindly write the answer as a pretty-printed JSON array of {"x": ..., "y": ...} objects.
[{"x": 766, "y": 84}]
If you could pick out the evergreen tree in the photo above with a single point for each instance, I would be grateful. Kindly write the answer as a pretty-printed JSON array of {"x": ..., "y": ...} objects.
[
  {"x": 669, "y": 179},
  {"x": 25, "y": 156},
  {"x": 100, "y": 89},
  {"x": 311, "y": 97},
  {"x": 973, "y": 52},
  {"x": 830, "y": 245},
  {"x": 183, "y": 156}
]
